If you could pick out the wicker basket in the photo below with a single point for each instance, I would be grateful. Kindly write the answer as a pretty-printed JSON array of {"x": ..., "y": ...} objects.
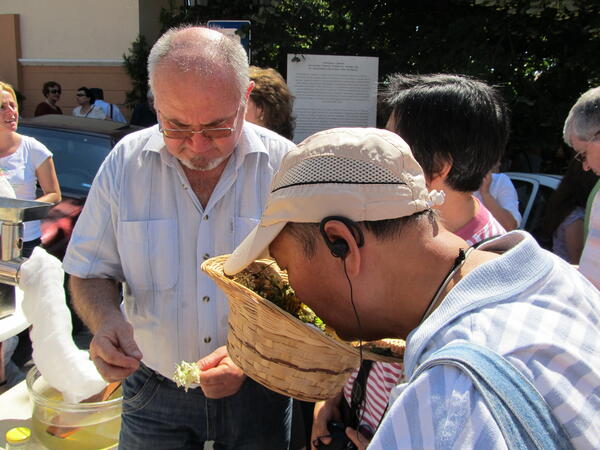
[{"x": 278, "y": 350}]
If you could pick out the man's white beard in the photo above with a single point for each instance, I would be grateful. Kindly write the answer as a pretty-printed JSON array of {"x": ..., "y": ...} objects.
[{"x": 209, "y": 166}]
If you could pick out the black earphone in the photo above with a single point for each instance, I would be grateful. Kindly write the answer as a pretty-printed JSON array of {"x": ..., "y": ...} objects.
[{"x": 339, "y": 247}]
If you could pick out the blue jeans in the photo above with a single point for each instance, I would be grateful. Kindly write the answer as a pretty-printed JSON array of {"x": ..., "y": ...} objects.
[{"x": 159, "y": 415}]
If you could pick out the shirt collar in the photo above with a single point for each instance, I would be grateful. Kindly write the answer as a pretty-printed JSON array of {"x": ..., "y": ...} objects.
[{"x": 522, "y": 263}]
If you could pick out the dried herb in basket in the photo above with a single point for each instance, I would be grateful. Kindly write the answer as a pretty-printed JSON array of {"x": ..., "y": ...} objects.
[{"x": 267, "y": 283}]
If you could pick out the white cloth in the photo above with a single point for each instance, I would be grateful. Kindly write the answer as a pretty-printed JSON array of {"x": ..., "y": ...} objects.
[
  {"x": 589, "y": 264},
  {"x": 143, "y": 224},
  {"x": 19, "y": 169},
  {"x": 111, "y": 111},
  {"x": 56, "y": 356},
  {"x": 95, "y": 113},
  {"x": 534, "y": 309},
  {"x": 502, "y": 189}
]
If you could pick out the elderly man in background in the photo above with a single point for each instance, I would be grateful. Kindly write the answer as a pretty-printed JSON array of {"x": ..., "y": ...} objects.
[
  {"x": 582, "y": 133},
  {"x": 167, "y": 198},
  {"x": 502, "y": 341}
]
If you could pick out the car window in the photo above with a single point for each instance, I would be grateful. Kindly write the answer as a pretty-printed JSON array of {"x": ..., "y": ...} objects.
[
  {"x": 538, "y": 212},
  {"x": 77, "y": 156},
  {"x": 524, "y": 189}
]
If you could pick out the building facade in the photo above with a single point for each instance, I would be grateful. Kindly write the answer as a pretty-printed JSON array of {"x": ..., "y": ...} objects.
[{"x": 73, "y": 42}]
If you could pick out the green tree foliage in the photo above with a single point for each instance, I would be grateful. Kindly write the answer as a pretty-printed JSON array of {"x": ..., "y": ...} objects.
[
  {"x": 543, "y": 54},
  {"x": 135, "y": 64}
]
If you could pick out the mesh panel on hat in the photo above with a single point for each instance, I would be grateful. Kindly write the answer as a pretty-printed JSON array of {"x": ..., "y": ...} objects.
[{"x": 333, "y": 169}]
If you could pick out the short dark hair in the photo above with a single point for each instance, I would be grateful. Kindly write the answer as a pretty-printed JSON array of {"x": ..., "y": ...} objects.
[
  {"x": 97, "y": 93},
  {"x": 450, "y": 118},
  {"x": 87, "y": 92},
  {"x": 308, "y": 233},
  {"x": 49, "y": 84}
]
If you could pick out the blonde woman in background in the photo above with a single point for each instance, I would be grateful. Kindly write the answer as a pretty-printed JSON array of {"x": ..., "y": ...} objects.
[{"x": 25, "y": 162}]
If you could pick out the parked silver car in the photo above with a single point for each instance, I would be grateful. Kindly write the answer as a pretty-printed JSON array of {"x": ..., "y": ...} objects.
[{"x": 534, "y": 190}]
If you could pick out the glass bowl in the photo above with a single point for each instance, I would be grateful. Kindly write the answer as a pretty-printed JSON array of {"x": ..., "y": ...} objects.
[{"x": 79, "y": 426}]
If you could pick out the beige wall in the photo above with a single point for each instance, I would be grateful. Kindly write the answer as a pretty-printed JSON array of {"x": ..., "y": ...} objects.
[
  {"x": 9, "y": 36},
  {"x": 75, "y": 29},
  {"x": 73, "y": 42}
]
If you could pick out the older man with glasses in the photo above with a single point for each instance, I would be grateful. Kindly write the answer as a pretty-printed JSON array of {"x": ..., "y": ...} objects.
[
  {"x": 167, "y": 198},
  {"x": 582, "y": 133}
]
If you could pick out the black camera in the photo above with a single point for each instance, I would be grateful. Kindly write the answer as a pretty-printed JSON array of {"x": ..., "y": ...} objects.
[{"x": 339, "y": 440}]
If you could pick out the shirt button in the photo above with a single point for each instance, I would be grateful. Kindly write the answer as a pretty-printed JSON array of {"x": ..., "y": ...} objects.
[
  {"x": 206, "y": 256},
  {"x": 207, "y": 340},
  {"x": 206, "y": 299},
  {"x": 206, "y": 217}
]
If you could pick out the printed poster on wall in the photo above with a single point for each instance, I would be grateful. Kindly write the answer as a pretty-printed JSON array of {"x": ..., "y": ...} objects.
[{"x": 332, "y": 91}]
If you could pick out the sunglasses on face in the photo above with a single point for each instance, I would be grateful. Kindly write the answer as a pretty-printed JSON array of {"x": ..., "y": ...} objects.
[
  {"x": 80, "y": 95},
  {"x": 54, "y": 91}
]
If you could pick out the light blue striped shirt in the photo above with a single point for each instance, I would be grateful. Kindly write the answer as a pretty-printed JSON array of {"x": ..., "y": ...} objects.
[
  {"x": 532, "y": 308},
  {"x": 143, "y": 224}
]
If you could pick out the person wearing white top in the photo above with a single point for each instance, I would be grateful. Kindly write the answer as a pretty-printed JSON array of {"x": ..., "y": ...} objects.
[
  {"x": 165, "y": 199},
  {"x": 86, "y": 108},
  {"x": 499, "y": 195},
  {"x": 24, "y": 162},
  {"x": 111, "y": 111}
]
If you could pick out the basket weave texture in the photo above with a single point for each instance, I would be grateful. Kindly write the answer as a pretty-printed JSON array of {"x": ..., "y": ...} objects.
[{"x": 278, "y": 350}]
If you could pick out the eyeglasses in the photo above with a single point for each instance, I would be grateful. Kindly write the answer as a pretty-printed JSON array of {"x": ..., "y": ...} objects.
[
  {"x": 580, "y": 156},
  {"x": 209, "y": 133},
  {"x": 80, "y": 95},
  {"x": 54, "y": 91}
]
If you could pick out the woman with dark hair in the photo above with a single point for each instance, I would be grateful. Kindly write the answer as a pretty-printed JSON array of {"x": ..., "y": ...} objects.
[
  {"x": 51, "y": 91},
  {"x": 86, "y": 106},
  {"x": 270, "y": 103},
  {"x": 565, "y": 211}
]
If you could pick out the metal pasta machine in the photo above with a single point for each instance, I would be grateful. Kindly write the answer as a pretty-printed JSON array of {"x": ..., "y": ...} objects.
[{"x": 13, "y": 213}]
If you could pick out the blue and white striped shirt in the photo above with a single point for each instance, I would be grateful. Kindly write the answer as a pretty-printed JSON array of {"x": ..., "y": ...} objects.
[{"x": 532, "y": 308}]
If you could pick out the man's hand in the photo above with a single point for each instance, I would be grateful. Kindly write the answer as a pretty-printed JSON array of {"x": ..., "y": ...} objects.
[
  {"x": 220, "y": 377},
  {"x": 324, "y": 412},
  {"x": 113, "y": 350}
]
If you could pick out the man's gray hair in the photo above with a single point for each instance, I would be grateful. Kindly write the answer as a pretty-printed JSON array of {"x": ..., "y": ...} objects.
[
  {"x": 206, "y": 51},
  {"x": 583, "y": 120}
]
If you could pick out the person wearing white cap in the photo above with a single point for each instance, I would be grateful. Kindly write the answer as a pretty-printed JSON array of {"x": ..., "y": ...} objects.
[
  {"x": 503, "y": 341},
  {"x": 165, "y": 199}
]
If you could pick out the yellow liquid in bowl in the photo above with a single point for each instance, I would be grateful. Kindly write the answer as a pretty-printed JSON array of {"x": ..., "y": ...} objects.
[{"x": 66, "y": 426}]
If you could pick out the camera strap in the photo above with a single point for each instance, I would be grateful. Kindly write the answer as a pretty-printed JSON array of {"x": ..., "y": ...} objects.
[{"x": 358, "y": 393}]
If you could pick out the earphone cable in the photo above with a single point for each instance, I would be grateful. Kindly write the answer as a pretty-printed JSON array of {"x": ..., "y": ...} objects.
[{"x": 360, "y": 350}]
